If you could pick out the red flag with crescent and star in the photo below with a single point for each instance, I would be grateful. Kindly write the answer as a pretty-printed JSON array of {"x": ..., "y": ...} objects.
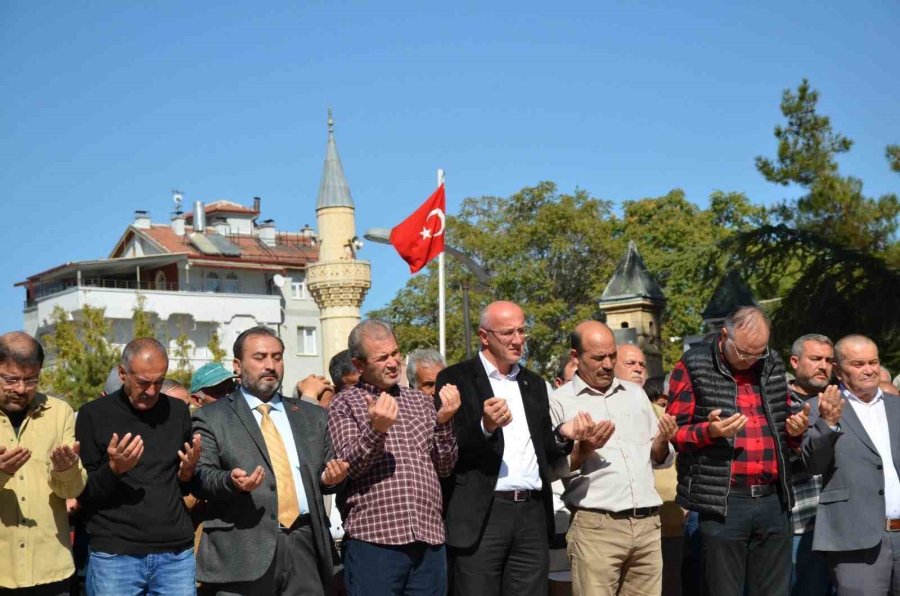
[{"x": 420, "y": 237}]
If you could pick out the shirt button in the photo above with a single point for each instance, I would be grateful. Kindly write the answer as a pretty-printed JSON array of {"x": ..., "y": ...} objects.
[
  {"x": 22, "y": 545},
  {"x": 879, "y": 467},
  {"x": 881, "y": 492},
  {"x": 23, "y": 498}
]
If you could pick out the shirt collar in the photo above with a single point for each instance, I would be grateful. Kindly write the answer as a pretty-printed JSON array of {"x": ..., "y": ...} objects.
[
  {"x": 254, "y": 402},
  {"x": 580, "y": 386},
  {"x": 879, "y": 395},
  {"x": 493, "y": 373}
]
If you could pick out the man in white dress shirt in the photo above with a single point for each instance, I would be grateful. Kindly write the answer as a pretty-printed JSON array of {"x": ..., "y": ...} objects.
[{"x": 614, "y": 540}]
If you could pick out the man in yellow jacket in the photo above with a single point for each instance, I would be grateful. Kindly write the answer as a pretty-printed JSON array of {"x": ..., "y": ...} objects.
[{"x": 39, "y": 470}]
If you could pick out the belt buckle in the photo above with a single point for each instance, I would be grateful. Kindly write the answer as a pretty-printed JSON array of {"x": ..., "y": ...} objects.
[
  {"x": 757, "y": 490},
  {"x": 635, "y": 514},
  {"x": 888, "y": 525},
  {"x": 520, "y": 496}
]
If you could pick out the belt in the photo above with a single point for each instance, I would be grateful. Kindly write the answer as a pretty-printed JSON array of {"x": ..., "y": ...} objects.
[
  {"x": 754, "y": 490},
  {"x": 301, "y": 522},
  {"x": 638, "y": 512},
  {"x": 892, "y": 525},
  {"x": 517, "y": 495}
]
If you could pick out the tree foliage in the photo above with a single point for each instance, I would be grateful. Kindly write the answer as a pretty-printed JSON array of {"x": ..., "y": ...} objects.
[
  {"x": 80, "y": 355},
  {"x": 180, "y": 368},
  {"x": 216, "y": 350},
  {"x": 142, "y": 322}
]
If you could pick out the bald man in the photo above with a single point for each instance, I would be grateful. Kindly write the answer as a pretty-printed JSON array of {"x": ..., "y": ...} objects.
[
  {"x": 631, "y": 365},
  {"x": 500, "y": 507},
  {"x": 853, "y": 443}
]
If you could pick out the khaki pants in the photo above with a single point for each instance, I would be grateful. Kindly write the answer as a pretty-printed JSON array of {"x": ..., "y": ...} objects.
[{"x": 615, "y": 554}]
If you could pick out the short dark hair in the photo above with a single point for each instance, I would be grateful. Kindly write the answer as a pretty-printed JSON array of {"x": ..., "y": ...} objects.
[
  {"x": 138, "y": 346},
  {"x": 563, "y": 363},
  {"x": 341, "y": 364},
  {"x": 575, "y": 342},
  {"x": 238, "y": 348},
  {"x": 655, "y": 386},
  {"x": 20, "y": 348}
]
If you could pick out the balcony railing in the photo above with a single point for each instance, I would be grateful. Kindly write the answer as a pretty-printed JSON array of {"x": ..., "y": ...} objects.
[{"x": 226, "y": 286}]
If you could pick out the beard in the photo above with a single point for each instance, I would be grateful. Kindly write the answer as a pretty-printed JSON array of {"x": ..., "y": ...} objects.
[{"x": 260, "y": 387}]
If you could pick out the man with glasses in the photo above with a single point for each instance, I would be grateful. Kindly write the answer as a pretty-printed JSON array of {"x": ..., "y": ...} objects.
[
  {"x": 500, "y": 507},
  {"x": 735, "y": 435},
  {"x": 39, "y": 470},
  {"x": 137, "y": 448}
]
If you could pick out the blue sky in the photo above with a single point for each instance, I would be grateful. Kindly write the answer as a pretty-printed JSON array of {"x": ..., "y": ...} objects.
[{"x": 107, "y": 106}]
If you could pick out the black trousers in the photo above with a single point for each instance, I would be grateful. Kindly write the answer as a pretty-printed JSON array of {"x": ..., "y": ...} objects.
[
  {"x": 512, "y": 557},
  {"x": 750, "y": 547}
]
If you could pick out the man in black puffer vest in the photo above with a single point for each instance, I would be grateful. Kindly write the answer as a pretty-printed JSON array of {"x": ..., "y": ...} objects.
[{"x": 730, "y": 400}]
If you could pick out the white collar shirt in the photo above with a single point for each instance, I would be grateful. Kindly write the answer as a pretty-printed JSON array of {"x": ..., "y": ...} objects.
[
  {"x": 519, "y": 468},
  {"x": 874, "y": 420},
  {"x": 618, "y": 476}
]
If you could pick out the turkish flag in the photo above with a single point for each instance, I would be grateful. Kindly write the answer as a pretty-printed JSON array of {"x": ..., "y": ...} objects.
[{"x": 420, "y": 237}]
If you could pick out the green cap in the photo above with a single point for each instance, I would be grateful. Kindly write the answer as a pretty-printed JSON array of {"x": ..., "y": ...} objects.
[{"x": 210, "y": 375}]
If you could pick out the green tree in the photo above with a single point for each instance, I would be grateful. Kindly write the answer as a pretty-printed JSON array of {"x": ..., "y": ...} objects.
[
  {"x": 892, "y": 153},
  {"x": 216, "y": 350},
  {"x": 80, "y": 354},
  {"x": 142, "y": 325},
  {"x": 181, "y": 358}
]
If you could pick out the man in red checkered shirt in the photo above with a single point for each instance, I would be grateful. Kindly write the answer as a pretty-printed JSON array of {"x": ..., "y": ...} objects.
[
  {"x": 398, "y": 445},
  {"x": 736, "y": 431}
]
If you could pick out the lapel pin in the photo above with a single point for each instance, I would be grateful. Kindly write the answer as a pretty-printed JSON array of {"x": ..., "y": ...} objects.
[{"x": 294, "y": 408}]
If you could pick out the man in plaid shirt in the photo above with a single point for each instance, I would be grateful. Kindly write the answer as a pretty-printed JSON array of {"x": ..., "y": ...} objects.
[
  {"x": 398, "y": 446},
  {"x": 735, "y": 435},
  {"x": 812, "y": 358}
]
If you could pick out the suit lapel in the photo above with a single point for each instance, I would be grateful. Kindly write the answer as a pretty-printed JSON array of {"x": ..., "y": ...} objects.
[
  {"x": 892, "y": 412},
  {"x": 240, "y": 407},
  {"x": 526, "y": 389},
  {"x": 485, "y": 392},
  {"x": 852, "y": 421},
  {"x": 299, "y": 427}
]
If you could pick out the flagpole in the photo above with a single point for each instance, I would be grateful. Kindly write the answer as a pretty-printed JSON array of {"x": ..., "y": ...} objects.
[{"x": 442, "y": 322}]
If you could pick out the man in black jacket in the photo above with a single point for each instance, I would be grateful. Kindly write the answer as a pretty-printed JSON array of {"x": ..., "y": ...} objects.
[{"x": 499, "y": 506}]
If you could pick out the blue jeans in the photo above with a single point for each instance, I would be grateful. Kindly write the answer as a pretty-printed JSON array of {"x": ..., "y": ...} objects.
[
  {"x": 411, "y": 569},
  {"x": 810, "y": 573},
  {"x": 158, "y": 574}
]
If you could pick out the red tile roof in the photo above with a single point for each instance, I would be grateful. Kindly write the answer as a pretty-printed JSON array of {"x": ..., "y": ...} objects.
[{"x": 222, "y": 207}]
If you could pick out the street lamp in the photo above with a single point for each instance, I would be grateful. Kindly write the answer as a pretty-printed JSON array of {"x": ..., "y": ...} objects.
[{"x": 482, "y": 277}]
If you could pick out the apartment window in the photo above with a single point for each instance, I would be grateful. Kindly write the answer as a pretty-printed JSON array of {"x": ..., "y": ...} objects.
[
  {"x": 232, "y": 285},
  {"x": 306, "y": 341},
  {"x": 298, "y": 288},
  {"x": 212, "y": 282}
]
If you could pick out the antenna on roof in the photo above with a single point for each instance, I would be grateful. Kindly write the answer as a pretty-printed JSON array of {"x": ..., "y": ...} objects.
[{"x": 177, "y": 198}]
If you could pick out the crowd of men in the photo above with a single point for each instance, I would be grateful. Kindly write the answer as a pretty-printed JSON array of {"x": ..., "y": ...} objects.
[{"x": 471, "y": 479}]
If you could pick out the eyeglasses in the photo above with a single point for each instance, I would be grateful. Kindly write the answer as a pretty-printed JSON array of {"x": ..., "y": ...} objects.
[
  {"x": 640, "y": 363},
  {"x": 10, "y": 382},
  {"x": 507, "y": 335},
  {"x": 747, "y": 356}
]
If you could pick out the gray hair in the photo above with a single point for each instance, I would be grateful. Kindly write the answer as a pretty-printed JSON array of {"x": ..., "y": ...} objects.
[
  {"x": 169, "y": 384},
  {"x": 371, "y": 329},
  {"x": 797, "y": 348},
  {"x": 139, "y": 346},
  {"x": 422, "y": 356},
  {"x": 746, "y": 317},
  {"x": 849, "y": 339}
]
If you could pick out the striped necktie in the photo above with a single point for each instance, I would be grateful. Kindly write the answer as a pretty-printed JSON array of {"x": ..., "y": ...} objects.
[{"x": 288, "y": 505}]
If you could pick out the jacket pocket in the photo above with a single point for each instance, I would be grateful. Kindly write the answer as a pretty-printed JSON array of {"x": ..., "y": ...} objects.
[{"x": 835, "y": 495}]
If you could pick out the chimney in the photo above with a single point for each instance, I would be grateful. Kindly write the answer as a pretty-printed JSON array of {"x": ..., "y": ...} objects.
[
  {"x": 141, "y": 220},
  {"x": 199, "y": 217},
  {"x": 266, "y": 232},
  {"x": 178, "y": 224},
  {"x": 256, "y": 202}
]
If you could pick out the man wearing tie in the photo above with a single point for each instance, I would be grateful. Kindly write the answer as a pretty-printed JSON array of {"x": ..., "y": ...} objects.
[{"x": 262, "y": 471}]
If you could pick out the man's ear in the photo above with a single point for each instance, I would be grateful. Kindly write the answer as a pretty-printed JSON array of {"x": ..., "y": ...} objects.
[
  {"x": 794, "y": 361},
  {"x": 236, "y": 366}
]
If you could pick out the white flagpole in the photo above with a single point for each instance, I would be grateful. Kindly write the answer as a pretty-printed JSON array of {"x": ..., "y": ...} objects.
[{"x": 442, "y": 322}]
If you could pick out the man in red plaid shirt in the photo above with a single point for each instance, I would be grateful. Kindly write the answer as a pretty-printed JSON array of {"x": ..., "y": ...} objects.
[{"x": 736, "y": 431}]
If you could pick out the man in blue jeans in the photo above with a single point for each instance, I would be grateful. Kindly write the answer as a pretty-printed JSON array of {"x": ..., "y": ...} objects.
[{"x": 137, "y": 448}]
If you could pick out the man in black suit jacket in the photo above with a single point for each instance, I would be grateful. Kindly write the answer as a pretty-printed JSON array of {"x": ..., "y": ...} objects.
[
  {"x": 245, "y": 547},
  {"x": 499, "y": 504}
]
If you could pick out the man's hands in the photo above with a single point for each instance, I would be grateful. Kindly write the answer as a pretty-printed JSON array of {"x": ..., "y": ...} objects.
[
  {"x": 796, "y": 424},
  {"x": 578, "y": 428},
  {"x": 64, "y": 457},
  {"x": 189, "y": 458},
  {"x": 335, "y": 472},
  {"x": 659, "y": 449},
  {"x": 314, "y": 386},
  {"x": 727, "y": 427},
  {"x": 246, "y": 483},
  {"x": 124, "y": 454},
  {"x": 831, "y": 404},
  {"x": 449, "y": 395},
  {"x": 382, "y": 412},
  {"x": 13, "y": 459},
  {"x": 496, "y": 414},
  {"x": 599, "y": 435}
]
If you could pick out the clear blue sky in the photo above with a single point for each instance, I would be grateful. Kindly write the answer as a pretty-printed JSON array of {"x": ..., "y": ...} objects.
[{"x": 107, "y": 106}]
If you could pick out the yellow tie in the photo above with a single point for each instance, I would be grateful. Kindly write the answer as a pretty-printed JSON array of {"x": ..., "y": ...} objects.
[{"x": 288, "y": 507}]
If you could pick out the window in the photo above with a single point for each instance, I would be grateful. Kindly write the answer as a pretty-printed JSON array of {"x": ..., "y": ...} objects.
[
  {"x": 298, "y": 288},
  {"x": 212, "y": 282},
  {"x": 231, "y": 285},
  {"x": 306, "y": 341},
  {"x": 160, "y": 280}
]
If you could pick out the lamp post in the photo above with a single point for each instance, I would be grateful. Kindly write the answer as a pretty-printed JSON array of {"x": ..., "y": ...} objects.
[{"x": 482, "y": 277}]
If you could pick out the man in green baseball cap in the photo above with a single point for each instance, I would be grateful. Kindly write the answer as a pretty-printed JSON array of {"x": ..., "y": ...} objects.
[{"x": 210, "y": 382}]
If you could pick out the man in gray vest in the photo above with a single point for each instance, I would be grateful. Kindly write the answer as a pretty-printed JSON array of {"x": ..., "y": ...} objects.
[{"x": 735, "y": 433}]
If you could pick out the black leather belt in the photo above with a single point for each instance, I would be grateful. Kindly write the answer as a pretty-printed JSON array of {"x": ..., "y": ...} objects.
[
  {"x": 638, "y": 512},
  {"x": 754, "y": 490},
  {"x": 517, "y": 495},
  {"x": 301, "y": 522}
]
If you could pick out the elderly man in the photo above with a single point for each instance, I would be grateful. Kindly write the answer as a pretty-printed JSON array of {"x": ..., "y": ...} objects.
[
  {"x": 500, "y": 510},
  {"x": 397, "y": 445},
  {"x": 811, "y": 358},
  {"x": 137, "y": 448},
  {"x": 853, "y": 443},
  {"x": 267, "y": 459},
  {"x": 631, "y": 365},
  {"x": 211, "y": 382},
  {"x": 422, "y": 368},
  {"x": 614, "y": 540},
  {"x": 735, "y": 435},
  {"x": 39, "y": 470}
]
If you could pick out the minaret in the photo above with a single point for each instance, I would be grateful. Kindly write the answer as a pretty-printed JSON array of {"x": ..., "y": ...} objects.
[
  {"x": 633, "y": 303},
  {"x": 339, "y": 281}
]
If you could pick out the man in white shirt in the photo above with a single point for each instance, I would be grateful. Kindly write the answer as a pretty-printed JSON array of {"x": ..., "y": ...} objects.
[
  {"x": 857, "y": 450},
  {"x": 614, "y": 539}
]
